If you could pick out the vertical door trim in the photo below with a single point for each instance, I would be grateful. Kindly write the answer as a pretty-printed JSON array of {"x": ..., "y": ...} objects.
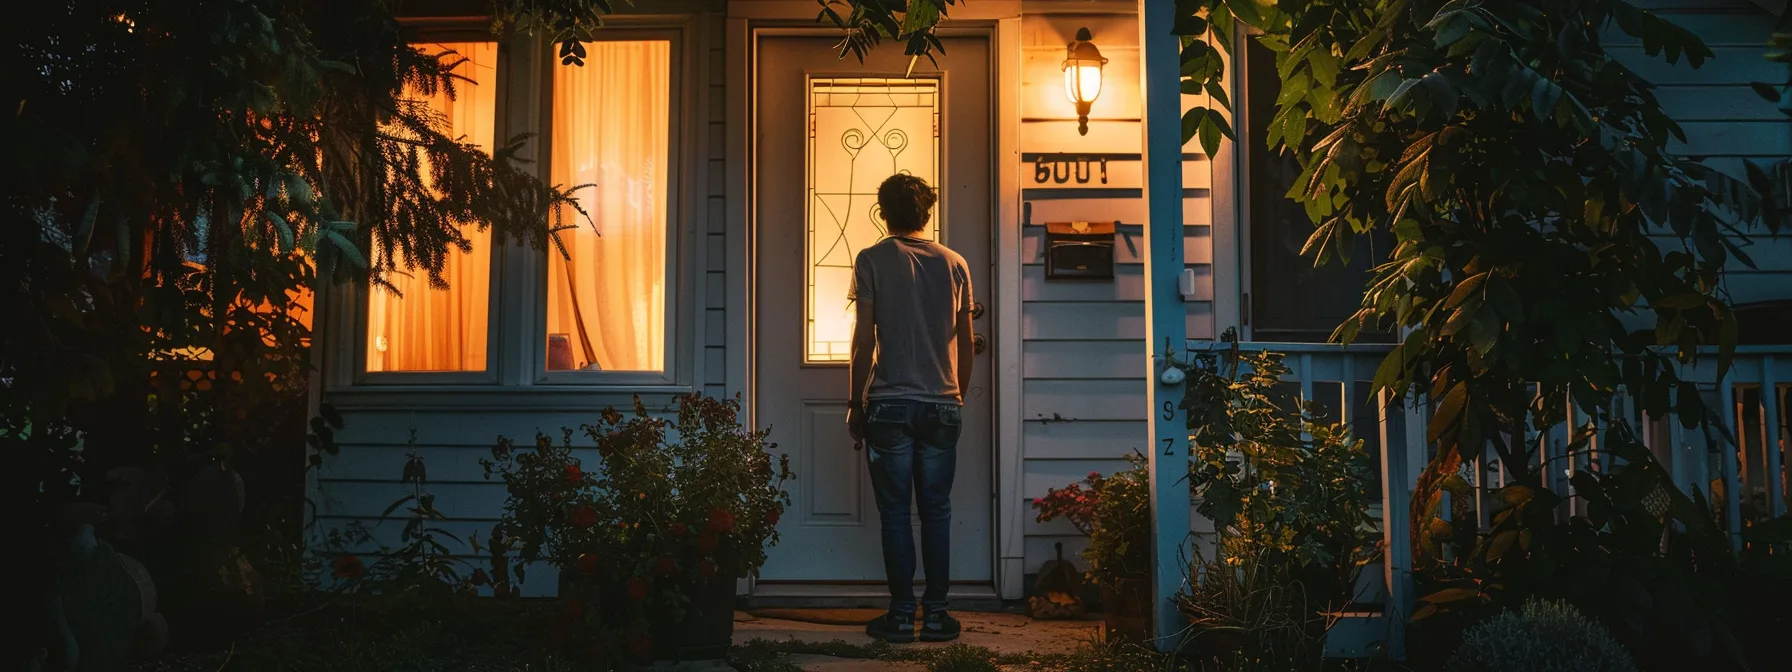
[
  {"x": 737, "y": 197},
  {"x": 1008, "y": 471}
]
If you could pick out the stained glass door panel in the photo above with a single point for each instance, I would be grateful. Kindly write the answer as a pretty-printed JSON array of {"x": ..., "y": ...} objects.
[{"x": 861, "y": 131}]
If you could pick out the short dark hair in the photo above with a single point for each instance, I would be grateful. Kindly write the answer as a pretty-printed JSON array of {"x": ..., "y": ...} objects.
[{"x": 907, "y": 202}]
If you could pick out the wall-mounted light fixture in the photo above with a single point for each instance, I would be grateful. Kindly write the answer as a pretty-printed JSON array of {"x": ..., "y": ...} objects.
[{"x": 1082, "y": 76}]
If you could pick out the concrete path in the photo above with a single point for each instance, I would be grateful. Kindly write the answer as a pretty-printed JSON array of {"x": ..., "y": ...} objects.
[{"x": 1003, "y": 633}]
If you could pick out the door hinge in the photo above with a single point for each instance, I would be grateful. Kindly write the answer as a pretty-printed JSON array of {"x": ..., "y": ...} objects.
[{"x": 1245, "y": 310}]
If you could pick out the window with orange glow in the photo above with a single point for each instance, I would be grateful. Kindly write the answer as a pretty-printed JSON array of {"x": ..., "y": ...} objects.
[
  {"x": 424, "y": 328},
  {"x": 606, "y": 279}
]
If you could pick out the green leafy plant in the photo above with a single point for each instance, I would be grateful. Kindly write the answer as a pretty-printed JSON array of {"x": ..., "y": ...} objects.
[
  {"x": 421, "y": 566},
  {"x": 670, "y": 508},
  {"x": 422, "y": 563},
  {"x": 1288, "y": 495},
  {"x": 1540, "y": 637},
  {"x": 1645, "y": 558},
  {"x": 1252, "y": 609},
  {"x": 1115, "y": 513},
  {"x": 1526, "y": 175},
  {"x": 1269, "y": 473}
]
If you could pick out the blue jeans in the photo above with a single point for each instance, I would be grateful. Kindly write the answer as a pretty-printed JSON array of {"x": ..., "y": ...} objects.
[{"x": 913, "y": 450}]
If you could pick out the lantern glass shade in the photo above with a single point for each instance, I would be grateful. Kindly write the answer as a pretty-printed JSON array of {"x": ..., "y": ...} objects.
[
  {"x": 1082, "y": 76},
  {"x": 1082, "y": 81}
]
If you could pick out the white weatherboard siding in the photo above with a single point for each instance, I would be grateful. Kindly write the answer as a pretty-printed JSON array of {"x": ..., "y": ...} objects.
[
  {"x": 1082, "y": 341},
  {"x": 1724, "y": 119},
  {"x": 457, "y": 427}
]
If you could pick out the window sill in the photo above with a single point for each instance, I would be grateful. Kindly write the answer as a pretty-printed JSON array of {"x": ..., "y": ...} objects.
[{"x": 502, "y": 398}]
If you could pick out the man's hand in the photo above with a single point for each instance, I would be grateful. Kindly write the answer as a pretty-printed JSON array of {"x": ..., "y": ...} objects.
[{"x": 855, "y": 423}]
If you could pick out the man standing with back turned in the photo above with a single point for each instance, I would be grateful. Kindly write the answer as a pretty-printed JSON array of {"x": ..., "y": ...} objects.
[{"x": 911, "y": 355}]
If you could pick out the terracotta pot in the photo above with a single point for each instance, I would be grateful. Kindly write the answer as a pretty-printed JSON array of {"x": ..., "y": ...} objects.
[
  {"x": 1127, "y": 609},
  {"x": 705, "y": 633},
  {"x": 1216, "y": 649},
  {"x": 707, "y": 630}
]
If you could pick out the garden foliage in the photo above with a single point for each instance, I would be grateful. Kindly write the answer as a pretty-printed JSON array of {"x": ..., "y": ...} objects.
[
  {"x": 666, "y": 510},
  {"x": 181, "y": 176},
  {"x": 1539, "y": 637},
  {"x": 1288, "y": 496}
]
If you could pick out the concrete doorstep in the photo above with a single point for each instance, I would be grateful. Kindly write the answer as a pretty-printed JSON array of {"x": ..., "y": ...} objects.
[{"x": 999, "y": 632}]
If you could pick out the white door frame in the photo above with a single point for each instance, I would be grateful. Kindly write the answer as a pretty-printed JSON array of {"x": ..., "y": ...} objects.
[{"x": 742, "y": 37}]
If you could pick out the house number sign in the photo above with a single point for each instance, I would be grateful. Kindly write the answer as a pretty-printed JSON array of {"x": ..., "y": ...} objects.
[{"x": 1062, "y": 168}]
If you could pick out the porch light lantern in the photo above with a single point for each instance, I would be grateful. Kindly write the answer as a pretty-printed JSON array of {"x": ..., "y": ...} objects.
[{"x": 1082, "y": 76}]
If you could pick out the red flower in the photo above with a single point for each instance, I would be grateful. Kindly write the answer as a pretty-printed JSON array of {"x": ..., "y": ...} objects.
[
  {"x": 600, "y": 651},
  {"x": 678, "y": 529},
  {"x": 348, "y": 567},
  {"x": 720, "y": 520},
  {"x": 706, "y": 569},
  {"x": 584, "y": 516},
  {"x": 772, "y": 515},
  {"x": 665, "y": 565},
  {"x": 588, "y": 563},
  {"x": 637, "y": 588},
  {"x": 706, "y": 542},
  {"x": 573, "y": 473},
  {"x": 641, "y": 646},
  {"x": 573, "y": 609},
  {"x": 479, "y": 578}
]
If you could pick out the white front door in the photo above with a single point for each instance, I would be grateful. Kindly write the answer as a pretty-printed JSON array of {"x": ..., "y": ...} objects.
[{"x": 828, "y": 132}]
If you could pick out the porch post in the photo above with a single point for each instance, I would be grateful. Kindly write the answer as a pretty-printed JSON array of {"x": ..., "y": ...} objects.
[
  {"x": 1166, "y": 328},
  {"x": 1397, "y": 481}
]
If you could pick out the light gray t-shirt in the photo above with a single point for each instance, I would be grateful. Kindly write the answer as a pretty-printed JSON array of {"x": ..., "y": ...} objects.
[{"x": 915, "y": 289}]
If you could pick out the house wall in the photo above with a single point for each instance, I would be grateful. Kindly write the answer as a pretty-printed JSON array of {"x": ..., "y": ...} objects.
[
  {"x": 453, "y": 426},
  {"x": 1083, "y": 354},
  {"x": 1080, "y": 352},
  {"x": 1724, "y": 119}
]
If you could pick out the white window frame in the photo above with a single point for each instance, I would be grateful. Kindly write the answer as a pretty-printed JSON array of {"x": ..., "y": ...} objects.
[
  {"x": 428, "y": 32},
  {"x": 530, "y": 274},
  {"x": 516, "y": 344}
]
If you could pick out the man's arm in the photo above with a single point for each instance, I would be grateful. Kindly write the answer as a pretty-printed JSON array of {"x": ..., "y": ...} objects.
[
  {"x": 966, "y": 351},
  {"x": 864, "y": 346}
]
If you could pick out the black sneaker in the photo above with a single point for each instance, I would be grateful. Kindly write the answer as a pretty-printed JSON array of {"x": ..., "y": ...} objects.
[
  {"x": 939, "y": 626},
  {"x": 893, "y": 628}
]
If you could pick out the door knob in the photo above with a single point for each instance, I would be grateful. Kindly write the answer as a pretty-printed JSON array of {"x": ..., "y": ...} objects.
[
  {"x": 979, "y": 343},
  {"x": 976, "y": 309}
]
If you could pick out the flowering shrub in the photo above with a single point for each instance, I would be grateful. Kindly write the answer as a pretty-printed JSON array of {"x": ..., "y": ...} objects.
[
  {"x": 1115, "y": 512},
  {"x": 668, "y": 509}
]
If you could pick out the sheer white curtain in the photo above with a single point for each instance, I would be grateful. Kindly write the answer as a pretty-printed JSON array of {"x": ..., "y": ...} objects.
[
  {"x": 611, "y": 128},
  {"x": 444, "y": 329}
]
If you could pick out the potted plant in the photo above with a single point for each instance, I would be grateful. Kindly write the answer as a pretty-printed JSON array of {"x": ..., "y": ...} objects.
[
  {"x": 651, "y": 538},
  {"x": 1288, "y": 497},
  {"x": 1114, "y": 512}
]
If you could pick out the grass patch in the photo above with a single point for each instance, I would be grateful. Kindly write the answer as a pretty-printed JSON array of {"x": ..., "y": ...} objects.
[{"x": 389, "y": 634}]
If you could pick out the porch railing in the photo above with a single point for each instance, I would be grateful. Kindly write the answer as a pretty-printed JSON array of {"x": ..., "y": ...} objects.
[{"x": 1737, "y": 463}]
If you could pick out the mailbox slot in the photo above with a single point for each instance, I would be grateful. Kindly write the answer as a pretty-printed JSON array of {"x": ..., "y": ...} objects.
[{"x": 1079, "y": 250}]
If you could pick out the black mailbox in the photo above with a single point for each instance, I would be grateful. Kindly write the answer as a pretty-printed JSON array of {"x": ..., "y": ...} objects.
[{"x": 1079, "y": 250}]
